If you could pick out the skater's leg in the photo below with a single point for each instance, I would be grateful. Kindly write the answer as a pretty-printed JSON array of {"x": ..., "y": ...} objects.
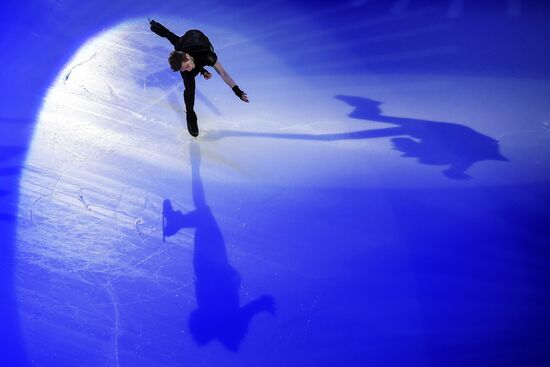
[
  {"x": 162, "y": 31},
  {"x": 189, "y": 98}
]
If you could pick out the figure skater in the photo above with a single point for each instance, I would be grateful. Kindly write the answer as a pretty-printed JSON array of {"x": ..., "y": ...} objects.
[{"x": 193, "y": 51}]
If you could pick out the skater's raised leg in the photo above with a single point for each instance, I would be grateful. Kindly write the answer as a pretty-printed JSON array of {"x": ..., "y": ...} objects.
[{"x": 162, "y": 31}]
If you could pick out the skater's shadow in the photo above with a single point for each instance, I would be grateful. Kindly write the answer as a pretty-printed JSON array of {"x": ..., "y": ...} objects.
[
  {"x": 431, "y": 142},
  {"x": 219, "y": 314}
]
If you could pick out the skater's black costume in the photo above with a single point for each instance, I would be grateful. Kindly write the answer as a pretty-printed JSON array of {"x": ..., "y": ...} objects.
[{"x": 196, "y": 44}]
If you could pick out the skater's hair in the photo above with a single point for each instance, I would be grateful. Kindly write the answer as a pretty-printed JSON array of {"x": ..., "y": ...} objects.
[{"x": 175, "y": 60}]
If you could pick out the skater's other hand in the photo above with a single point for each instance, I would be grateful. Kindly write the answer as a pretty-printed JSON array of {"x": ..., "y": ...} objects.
[
  {"x": 206, "y": 75},
  {"x": 244, "y": 97}
]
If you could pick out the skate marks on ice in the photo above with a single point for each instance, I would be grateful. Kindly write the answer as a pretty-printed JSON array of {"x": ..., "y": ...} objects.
[
  {"x": 217, "y": 283},
  {"x": 431, "y": 142}
]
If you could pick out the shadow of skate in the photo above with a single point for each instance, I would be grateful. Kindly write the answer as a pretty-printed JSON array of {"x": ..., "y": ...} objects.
[
  {"x": 217, "y": 284},
  {"x": 431, "y": 142}
]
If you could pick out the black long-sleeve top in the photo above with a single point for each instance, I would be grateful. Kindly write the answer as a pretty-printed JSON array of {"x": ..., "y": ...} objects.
[{"x": 196, "y": 44}]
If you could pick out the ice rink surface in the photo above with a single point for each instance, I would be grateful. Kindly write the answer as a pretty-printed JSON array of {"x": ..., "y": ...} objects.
[{"x": 381, "y": 201}]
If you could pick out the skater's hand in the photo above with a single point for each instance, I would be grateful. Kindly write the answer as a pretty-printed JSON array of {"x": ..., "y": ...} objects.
[
  {"x": 206, "y": 75},
  {"x": 239, "y": 93}
]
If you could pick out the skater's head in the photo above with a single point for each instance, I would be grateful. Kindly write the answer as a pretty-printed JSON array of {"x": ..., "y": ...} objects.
[{"x": 180, "y": 61}]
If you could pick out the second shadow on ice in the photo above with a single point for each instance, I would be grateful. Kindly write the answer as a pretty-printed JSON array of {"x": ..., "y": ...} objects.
[{"x": 431, "y": 142}]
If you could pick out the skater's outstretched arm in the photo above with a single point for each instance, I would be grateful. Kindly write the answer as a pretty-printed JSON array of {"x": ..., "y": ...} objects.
[
  {"x": 162, "y": 31},
  {"x": 229, "y": 81}
]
